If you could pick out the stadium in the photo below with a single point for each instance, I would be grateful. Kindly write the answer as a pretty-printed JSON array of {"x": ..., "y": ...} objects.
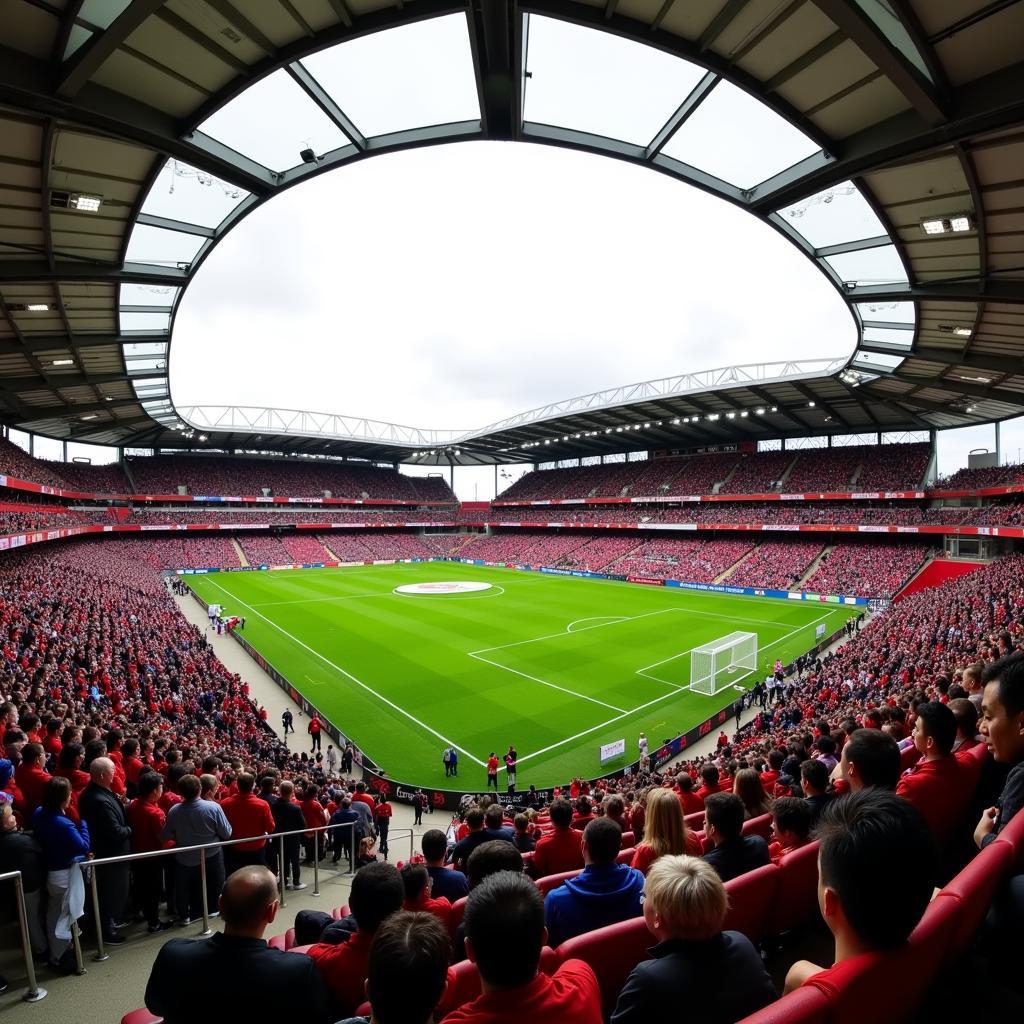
[{"x": 701, "y": 651}]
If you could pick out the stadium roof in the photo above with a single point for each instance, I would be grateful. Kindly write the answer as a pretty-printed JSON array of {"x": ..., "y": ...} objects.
[{"x": 885, "y": 139}]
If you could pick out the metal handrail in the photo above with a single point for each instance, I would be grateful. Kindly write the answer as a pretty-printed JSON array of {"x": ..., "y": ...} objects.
[
  {"x": 34, "y": 993},
  {"x": 88, "y": 866}
]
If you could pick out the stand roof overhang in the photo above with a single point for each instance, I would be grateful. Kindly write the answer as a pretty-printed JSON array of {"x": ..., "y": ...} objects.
[{"x": 899, "y": 113}]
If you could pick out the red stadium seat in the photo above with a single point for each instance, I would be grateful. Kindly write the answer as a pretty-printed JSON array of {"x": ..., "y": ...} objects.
[
  {"x": 613, "y": 952},
  {"x": 750, "y": 900},
  {"x": 804, "y": 1006},
  {"x": 276, "y": 942},
  {"x": 760, "y": 826},
  {"x": 458, "y": 910},
  {"x": 140, "y": 1017},
  {"x": 289, "y": 938},
  {"x": 339, "y": 912},
  {"x": 909, "y": 757},
  {"x": 628, "y": 840},
  {"x": 1013, "y": 836},
  {"x": 694, "y": 821},
  {"x": 796, "y": 898},
  {"x": 974, "y": 888},
  {"x": 625, "y": 855},
  {"x": 549, "y": 882},
  {"x": 302, "y": 949}
]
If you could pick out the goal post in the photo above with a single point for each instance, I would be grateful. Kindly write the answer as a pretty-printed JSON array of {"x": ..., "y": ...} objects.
[{"x": 718, "y": 664}]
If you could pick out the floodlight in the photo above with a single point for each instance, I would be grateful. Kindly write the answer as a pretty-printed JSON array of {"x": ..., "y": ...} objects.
[
  {"x": 87, "y": 204},
  {"x": 37, "y": 307},
  {"x": 963, "y": 332},
  {"x": 63, "y": 362},
  {"x": 91, "y": 416}
]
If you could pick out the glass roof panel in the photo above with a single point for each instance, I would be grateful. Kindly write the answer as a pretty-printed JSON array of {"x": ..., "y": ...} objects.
[
  {"x": 272, "y": 121},
  {"x": 880, "y": 265},
  {"x": 407, "y": 77},
  {"x": 162, "y": 247},
  {"x": 599, "y": 83},
  {"x": 876, "y": 360},
  {"x": 183, "y": 193},
  {"x": 839, "y": 214},
  {"x": 147, "y": 295},
  {"x": 101, "y": 13},
  {"x": 738, "y": 139},
  {"x": 889, "y": 312},
  {"x": 888, "y": 21},
  {"x": 145, "y": 321},
  {"x": 890, "y": 337}
]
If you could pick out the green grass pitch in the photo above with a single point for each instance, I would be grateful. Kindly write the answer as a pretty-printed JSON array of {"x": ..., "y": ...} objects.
[{"x": 556, "y": 665}]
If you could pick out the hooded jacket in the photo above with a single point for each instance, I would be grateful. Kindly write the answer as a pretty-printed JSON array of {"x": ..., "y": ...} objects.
[{"x": 598, "y": 896}]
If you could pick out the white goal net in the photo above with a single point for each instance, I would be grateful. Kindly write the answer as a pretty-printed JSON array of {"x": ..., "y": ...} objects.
[{"x": 722, "y": 662}]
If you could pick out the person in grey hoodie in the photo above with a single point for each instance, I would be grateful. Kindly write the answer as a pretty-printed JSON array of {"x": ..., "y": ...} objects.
[{"x": 603, "y": 893}]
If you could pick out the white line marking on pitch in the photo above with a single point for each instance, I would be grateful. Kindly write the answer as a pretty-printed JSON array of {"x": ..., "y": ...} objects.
[
  {"x": 544, "y": 682},
  {"x": 317, "y": 600},
  {"x": 657, "y": 700},
  {"x": 348, "y": 675},
  {"x": 606, "y": 619}
]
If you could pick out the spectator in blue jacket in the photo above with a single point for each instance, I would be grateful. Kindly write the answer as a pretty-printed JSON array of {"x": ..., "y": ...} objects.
[
  {"x": 64, "y": 844},
  {"x": 603, "y": 893}
]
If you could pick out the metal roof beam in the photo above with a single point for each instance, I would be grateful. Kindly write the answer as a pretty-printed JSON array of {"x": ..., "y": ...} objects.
[
  {"x": 989, "y": 104},
  {"x": 903, "y": 74},
  {"x": 995, "y": 364},
  {"x": 58, "y": 342},
  {"x": 91, "y": 56},
  {"x": 497, "y": 45},
  {"x": 697, "y": 96},
  {"x": 39, "y": 271},
  {"x": 58, "y": 381},
  {"x": 956, "y": 290}
]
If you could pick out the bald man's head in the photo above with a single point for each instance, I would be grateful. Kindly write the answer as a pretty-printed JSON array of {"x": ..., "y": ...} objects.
[
  {"x": 248, "y": 901},
  {"x": 101, "y": 771}
]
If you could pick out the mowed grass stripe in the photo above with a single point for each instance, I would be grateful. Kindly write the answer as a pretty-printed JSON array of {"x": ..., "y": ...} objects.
[{"x": 413, "y": 651}]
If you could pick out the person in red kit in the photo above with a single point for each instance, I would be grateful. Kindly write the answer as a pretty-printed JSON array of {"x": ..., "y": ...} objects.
[
  {"x": 562, "y": 848},
  {"x": 377, "y": 893},
  {"x": 247, "y": 815},
  {"x": 147, "y": 822},
  {"x": 492, "y": 771},
  {"x": 417, "y": 883},
  {"x": 936, "y": 784},
  {"x": 314, "y": 729},
  {"x": 32, "y": 778},
  {"x": 504, "y": 936}
]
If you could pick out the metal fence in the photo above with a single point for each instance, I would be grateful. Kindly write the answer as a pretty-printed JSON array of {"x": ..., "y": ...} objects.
[{"x": 33, "y": 993}]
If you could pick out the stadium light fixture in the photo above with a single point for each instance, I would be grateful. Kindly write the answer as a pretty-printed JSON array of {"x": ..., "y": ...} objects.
[
  {"x": 811, "y": 404},
  {"x": 675, "y": 422},
  {"x": 38, "y": 307},
  {"x": 63, "y": 362},
  {"x": 744, "y": 414},
  {"x": 90, "y": 416},
  {"x": 731, "y": 415},
  {"x": 962, "y": 332},
  {"x": 775, "y": 408},
  {"x": 955, "y": 223},
  {"x": 760, "y": 411},
  {"x": 202, "y": 437},
  {"x": 647, "y": 426}
]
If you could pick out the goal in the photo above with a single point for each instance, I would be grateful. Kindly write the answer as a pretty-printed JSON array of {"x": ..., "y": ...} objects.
[{"x": 722, "y": 662}]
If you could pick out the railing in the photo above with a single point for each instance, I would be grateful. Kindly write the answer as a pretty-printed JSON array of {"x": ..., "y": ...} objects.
[
  {"x": 33, "y": 993},
  {"x": 89, "y": 866}
]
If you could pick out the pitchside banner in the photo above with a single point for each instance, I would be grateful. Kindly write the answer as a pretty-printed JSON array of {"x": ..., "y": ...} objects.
[{"x": 610, "y": 751}]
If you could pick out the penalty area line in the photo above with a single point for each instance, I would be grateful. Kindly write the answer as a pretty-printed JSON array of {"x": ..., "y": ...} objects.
[{"x": 348, "y": 675}]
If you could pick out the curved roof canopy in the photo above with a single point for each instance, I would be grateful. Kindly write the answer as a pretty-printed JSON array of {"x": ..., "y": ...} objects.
[{"x": 883, "y": 138}]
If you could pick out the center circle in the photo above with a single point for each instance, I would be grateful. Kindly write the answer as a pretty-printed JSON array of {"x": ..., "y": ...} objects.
[{"x": 463, "y": 587}]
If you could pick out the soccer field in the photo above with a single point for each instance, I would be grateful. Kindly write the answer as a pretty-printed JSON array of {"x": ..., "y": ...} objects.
[{"x": 556, "y": 665}]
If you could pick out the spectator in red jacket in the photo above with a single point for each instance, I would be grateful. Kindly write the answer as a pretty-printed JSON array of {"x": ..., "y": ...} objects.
[
  {"x": 791, "y": 826},
  {"x": 936, "y": 784},
  {"x": 504, "y": 935},
  {"x": 32, "y": 778},
  {"x": 147, "y": 822},
  {"x": 377, "y": 893},
  {"x": 315, "y": 816},
  {"x": 584, "y": 813},
  {"x": 868, "y": 910},
  {"x": 247, "y": 815},
  {"x": 417, "y": 884},
  {"x": 709, "y": 778},
  {"x": 562, "y": 848},
  {"x": 687, "y": 797},
  {"x": 314, "y": 729}
]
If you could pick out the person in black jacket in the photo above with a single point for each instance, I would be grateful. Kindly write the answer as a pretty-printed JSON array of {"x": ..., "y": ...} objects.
[
  {"x": 733, "y": 854},
  {"x": 235, "y": 975},
  {"x": 717, "y": 976},
  {"x": 109, "y": 834},
  {"x": 20, "y": 852},
  {"x": 288, "y": 818}
]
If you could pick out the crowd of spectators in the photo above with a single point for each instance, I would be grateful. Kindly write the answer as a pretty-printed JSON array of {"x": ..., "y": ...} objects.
[
  {"x": 105, "y": 685},
  {"x": 304, "y": 547},
  {"x": 779, "y": 565},
  {"x": 18, "y": 518},
  {"x": 990, "y": 476},
  {"x": 759, "y": 473},
  {"x": 277, "y": 516},
  {"x": 864, "y": 568},
  {"x": 696, "y": 561},
  {"x": 87, "y": 478}
]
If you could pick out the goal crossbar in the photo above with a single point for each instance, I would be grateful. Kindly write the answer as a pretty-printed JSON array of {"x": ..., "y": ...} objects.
[{"x": 718, "y": 664}]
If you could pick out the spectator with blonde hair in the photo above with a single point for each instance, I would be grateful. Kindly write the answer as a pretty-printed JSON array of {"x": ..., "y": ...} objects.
[
  {"x": 666, "y": 831},
  {"x": 748, "y": 787},
  {"x": 718, "y": 976}
]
